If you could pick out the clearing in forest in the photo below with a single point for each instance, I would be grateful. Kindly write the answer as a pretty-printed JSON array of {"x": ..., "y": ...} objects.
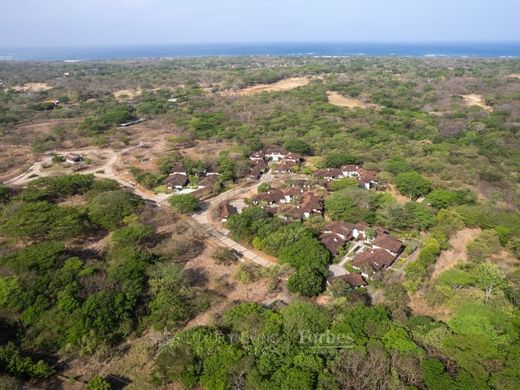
[
  {"x": 476, "y": 100},
  {"x": 456, "y": 253},
  {"x": 282, "y": 85},
  {"x": 32, "y": 87},
  {"x": 348, "y": 102},
  {"x": 124, "y": 94},
  {"x": 515, "y": 75}
]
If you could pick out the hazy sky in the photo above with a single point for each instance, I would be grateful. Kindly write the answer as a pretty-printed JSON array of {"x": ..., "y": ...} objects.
[{"x": 95, "y": 22}]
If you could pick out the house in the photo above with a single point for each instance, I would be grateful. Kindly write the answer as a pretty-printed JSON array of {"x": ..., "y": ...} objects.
[
  {"x": 257, "y": 156},
  {"x": 293, "y": 192},
  {"x": 368, "y": 179},
  {"x": 293, "y": 157},
  {"x": 73, "y": 158},
  {"x": 271, "y": 197},
  {"x": 332, "y": 242},
  {"x": 335, "y": 235},
  {"x": 388, "y": 243},
  {"x": 341, "y": 229},
  {"x": 300, "y": 183},
  {"x": 285, "y": 167},
  {"x": 355, "y": 280},
  {"x": 275, "y": 153},
  {"x": 176, "y": 181},
  {"x": 290, "y": 213},
  {"x": 328, "y": 173},
  {"x": 177, "y": 168},
  {"x": 225, "y": 210},
  {"x": 311, "y": 204},
  {"x": 257, "y": 169},
  {"x": 359, "y": 230},
  {"x": 209, "y": 180},
  {"x": 373, "y": 261},
  {"x": 350, "y": 170}
]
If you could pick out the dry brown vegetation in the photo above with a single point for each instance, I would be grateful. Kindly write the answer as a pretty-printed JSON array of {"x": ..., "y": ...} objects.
[
  {"x": 347, "y": 102},
  {"x": 476, "y": 100},
  {"x": 282, "y": 85},
  {"x": 32, "y": 87}
]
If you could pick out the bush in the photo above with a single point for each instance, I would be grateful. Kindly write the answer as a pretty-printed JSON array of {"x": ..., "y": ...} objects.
[
  {"x": 225, "y": 256},
  {"x": 297, "y": 146},
  {"x": 337, "y": 159},
  {"x": 484, "y": 245},
  {"x": 108, "y": 209},
  {"x": 307, "y": 282},
  {"x": 98, "y": 383},
  {"x": 12, "y": 361},
  {"x": 184, "y": 203}
]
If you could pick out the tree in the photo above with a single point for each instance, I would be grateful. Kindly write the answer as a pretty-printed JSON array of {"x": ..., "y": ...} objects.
[
  {"x": 306, "y": 281},
  {"x": 345, "y": 182},
  {"x": 341, "y": 206},
  {"x": 337, "y": 159},
  {"x": 488, "y": 276},
  {"x": 184, "y": 203},
  {"x": 441, "y": 199},
  {"x": 413, "y": 184},
  {"x": 108, "y": 209},
  {"x": 226, "y": 167},
  {"x": 306, "y": 252},
  {"x": 297, "y": 146}
]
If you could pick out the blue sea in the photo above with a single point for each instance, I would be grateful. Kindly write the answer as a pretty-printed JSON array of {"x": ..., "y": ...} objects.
[{"x": 486, "y": 50}]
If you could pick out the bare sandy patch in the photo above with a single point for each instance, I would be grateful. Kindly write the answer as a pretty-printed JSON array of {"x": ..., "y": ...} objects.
[
  {"x": 400, "y": 198},
  {"x": 14, "y": 160},
  {"x": 279, "y": 86},
  {"x": 124, "y": 94},
  {"x": 515, "y": 75},
  {"x": 476, "y": 100},
  {"x": 347, "y": 102},
  {"x": 32, "y": 87},
  {"x": 449, "y": 258}
]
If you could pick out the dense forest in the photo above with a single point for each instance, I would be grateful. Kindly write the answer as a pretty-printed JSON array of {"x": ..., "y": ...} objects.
[{"x": 92, "y": 275}]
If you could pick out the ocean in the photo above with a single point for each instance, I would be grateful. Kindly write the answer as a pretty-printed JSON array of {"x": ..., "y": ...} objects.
[{"x": 486, "y": 50}]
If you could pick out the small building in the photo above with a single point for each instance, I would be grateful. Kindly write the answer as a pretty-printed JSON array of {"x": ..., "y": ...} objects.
[
  {"x": 328, "y": 173},
  {"x": 388, "y": 243},
  {"x": 291, "y": 193},
  {"x": 270, "y": 197},
  {"x": 332, "y": 242},
  {"x": 342, "y": 229},
  {"x": 350, "y": 170},
  {"x": 353, "y": 279},
  {"x": 285, "y": 167},
  {"x": 359, "y": 230},
  {"x": 225, "y": 210},
  {"x": 311, "y": 204},
  {"x": 373, "y": 261},
  {"x": 275, "y": 153},
  {"x": 73, "y": 158},
  {"x": 176, "y": 181},
  {"x": 368, "y": 179},
  {"x": 293, "y": 157},
  {"x": 257, "y": 156},
  {"x": 209, "y": 180},
  {"x": 177, "y": 168}
]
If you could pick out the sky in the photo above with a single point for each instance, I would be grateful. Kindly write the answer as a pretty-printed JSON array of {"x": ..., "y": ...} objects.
[{"x": 36, "y": 23}]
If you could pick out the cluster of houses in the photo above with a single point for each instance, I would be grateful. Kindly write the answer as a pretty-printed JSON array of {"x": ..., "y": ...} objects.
[
  {"x": 372, "y": 250},
  {"x": 178, "y": 178},
  {"x": 292, "y": 204},
  {"x": 287, "y": 161},
  {"x": 367, "y": 179}
]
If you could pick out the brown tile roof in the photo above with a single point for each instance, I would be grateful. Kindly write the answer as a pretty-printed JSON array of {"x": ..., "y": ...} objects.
[
  {"x": 208, "y": 180},
  {"x": 350, "y": 168},
  {"x": 366, "y": 176},
  {"x": 294, "y": 191},
  {"x": 361, "y": 225},
  {"x": 332, "y": 242},
  {"x": 354, "y": 279},
  {"x": 291, "y": 212},
  {"x": 339, "y": 227},
  {"x": 176, "y": 180},
  {"x": 275, "y": 150},
  {"x": 377, "y": 259},
  {"x": 271, "y": 196},
  {"x": 225, "y": 210},
  {"x": 177, "y": 168},
  {"x": 293, "y": 157},
  {"x": 285, "y": 166},
  {"x": 328, "y": 172},
  {"x": 311, "y": 202},
  {"x": 388, "y": 242}
]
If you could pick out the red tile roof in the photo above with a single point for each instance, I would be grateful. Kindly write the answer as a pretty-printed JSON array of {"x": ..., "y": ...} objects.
[{"x": 388, "y": 242}]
